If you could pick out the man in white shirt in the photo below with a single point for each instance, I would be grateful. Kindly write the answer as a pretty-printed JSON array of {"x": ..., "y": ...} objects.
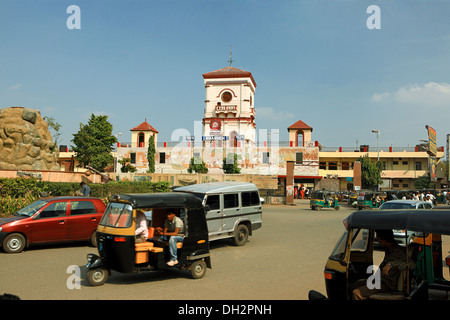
[{"x": 174, "y": 232}]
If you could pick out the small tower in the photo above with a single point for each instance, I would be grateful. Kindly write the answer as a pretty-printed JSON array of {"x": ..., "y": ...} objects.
[
  {"x": 299, "y": 134},
  {"x": 142, "y": 133}
]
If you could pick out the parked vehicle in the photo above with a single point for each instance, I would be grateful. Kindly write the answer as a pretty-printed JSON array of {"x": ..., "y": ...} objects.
[
  {"x": 402, "y": 236},
  {"x": 323, "y": 199},
  {"x": 370, "y": 199},
  {"x": 234, "y": 209},
  {"x": 119, "y": 251},
  {"x": 51, "y": 220},
  {"x": 353, "y": 254},
  {"x": 406, "y": 204}
]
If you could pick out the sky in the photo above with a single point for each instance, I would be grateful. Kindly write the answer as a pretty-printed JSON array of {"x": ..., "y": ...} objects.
[{"x": 341, "y": 66}]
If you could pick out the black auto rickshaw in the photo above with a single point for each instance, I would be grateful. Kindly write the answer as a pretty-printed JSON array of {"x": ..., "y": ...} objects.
[
  {"x": 370, "y": 199},
  {"x": 323, "y": 199},
  {"x": 119, "y": 251},
  {"x": 352, "y": 257}
]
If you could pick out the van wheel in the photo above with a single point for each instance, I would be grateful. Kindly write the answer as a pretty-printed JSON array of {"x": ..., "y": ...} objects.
[
  {"x": 198, "y": 269},
  {"x": 97, "y": 277},
  {"x": 241, "y": 236},
  {"x": 14, "y": 243}
]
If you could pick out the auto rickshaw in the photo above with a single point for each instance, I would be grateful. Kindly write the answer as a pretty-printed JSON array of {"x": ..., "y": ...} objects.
[
  {"x": 370, "y": 199},
  {"x": 352, "y": 256},
  {"x": 323, "y": 199},
  {"x": 119, "y": 251}
]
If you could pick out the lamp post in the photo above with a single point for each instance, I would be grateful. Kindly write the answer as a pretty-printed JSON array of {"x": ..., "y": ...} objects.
[{"x": 378, "y": 141}]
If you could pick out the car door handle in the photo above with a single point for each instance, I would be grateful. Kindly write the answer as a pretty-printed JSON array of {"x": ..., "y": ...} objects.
[
  {"x": 61, "y": 221},
  {"x": 93, "y": 219}
]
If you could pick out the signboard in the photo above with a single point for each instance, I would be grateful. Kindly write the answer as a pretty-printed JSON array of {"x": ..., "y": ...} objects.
[
  {"x": 215, "y": 138},
  {"x": 432, "y": 148}
]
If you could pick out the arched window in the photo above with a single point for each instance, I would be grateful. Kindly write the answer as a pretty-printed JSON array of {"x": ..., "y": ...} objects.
[
  {"x": 141, "y": 139},
  {"x": 300, "y": 138}
]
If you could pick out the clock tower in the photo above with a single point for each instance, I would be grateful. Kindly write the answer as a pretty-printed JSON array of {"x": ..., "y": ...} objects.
[{"x": 229, "y": 116}]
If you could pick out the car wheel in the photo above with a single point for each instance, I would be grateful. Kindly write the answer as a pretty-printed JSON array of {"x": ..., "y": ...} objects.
[
  {"x": 97, "y": 277},
  {"x": 198, "y": 269},
  {"x": 14, "y": 243},
  {"x": 241, "y": 236}
]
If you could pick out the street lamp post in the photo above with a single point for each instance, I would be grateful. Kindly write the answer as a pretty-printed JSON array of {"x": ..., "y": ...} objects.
[{"x": 378, "y": 141}]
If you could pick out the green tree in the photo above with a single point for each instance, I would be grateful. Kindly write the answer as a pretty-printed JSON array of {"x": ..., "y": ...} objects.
[
  {"x": 197, "y": 165},
  {"x": 55, "y": 126},
  {"x": 370, "y": 172},
  {"x": 230, "y": 164},
  {"x": 151, "y": 154},
  {"x": 126, "y": 165},
  {"x": 93, "y": 143},
  {"x": 423, "y": 182}
]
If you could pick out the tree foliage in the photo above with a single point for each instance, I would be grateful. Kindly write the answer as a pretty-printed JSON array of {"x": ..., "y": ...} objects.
[
  {"x": 230, "y": 164},
  {"x": 197, "y": 165},
  {"x": 423, "y": 182},
  {"x": 94, "y": 142},
  {"x": 370, "y": 172},
  {"x": 151, "y": 154}
]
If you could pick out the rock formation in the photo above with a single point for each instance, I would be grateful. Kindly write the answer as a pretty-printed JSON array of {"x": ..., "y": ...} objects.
[{"x": 25, "y": 141}]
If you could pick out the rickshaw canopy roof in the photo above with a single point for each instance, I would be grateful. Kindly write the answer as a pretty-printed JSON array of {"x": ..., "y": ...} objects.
[
  {"x": 159, "y": 200},
  {"x": 428, "y": 221}
]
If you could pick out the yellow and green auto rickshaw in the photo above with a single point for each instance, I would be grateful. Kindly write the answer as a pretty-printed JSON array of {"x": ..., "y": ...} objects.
[
  {"x": 119, "y": 251},
  {"x": 353, "y": 258},
  {"x": 370, "y": 199},
  {"x": 323, "y": 199}
]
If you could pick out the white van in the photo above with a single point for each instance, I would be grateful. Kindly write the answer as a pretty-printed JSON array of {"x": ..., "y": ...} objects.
[{"x": 234, "y": 209}]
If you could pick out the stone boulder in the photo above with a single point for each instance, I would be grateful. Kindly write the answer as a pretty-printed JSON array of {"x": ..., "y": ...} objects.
[{"x": 25, "y": 141}]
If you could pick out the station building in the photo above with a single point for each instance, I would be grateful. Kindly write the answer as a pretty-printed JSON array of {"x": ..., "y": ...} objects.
[{"x": 228, "y": 126}]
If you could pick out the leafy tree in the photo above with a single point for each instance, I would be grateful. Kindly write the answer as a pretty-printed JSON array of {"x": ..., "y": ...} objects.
[
  {"x": 423, "y": 182},
  {"x": 94, "y": 142},
  {"x": 55, "y": 126},
  {"x": 370, "y": 172},
  {"x": 151, "y": 154},
  {"x": 126, "y": 165},
  {"x": 230, "y": 164},
  {"x": 197, "y": 165}
]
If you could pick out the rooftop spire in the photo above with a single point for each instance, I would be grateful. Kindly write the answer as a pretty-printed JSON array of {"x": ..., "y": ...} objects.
[{"x": 231, "y": 56}]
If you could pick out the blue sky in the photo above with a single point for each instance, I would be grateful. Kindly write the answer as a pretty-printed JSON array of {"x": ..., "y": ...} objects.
[{"x": 315, "y": 61}]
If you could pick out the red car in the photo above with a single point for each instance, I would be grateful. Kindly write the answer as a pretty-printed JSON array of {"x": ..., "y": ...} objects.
[{"x": 52, "y": 220}]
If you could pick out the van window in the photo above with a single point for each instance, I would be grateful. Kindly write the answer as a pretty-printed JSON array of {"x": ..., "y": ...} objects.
[
  {"x": 250, "y": 199},
  {"x": 230, "y": 200},
  {"x": 213, "y": 202}
]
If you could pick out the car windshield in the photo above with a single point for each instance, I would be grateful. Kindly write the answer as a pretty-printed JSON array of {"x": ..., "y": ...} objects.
[
  {"x": 32, "y": 208},
  {"x": 117, "y": 215},
  {"x": 389, "y": 205}
]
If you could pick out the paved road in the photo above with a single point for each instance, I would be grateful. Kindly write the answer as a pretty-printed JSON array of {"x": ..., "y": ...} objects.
[{"x": 283, "y": 260}]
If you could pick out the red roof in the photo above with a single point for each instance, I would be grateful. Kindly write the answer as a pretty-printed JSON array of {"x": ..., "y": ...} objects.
[
  {"x": 229, "y": 72},
  {"x": 300, "y": 125},
  {"x": 144, "y": 126}
]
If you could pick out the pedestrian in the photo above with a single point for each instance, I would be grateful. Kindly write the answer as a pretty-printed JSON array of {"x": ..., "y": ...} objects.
[{"x": 85, "y": 189}]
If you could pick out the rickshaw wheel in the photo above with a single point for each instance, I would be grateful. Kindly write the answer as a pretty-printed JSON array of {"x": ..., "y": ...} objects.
[
  {"x": 198, "y": 269},
  {"x": 336, "y": 208},
  {"x": 97, "y": 277}
]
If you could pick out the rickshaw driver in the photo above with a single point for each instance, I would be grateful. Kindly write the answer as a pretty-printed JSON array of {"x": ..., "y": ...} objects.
[
  {"x": 173, "y": 232},
  {"x": 141, "y": 233},
  {"x": 394, "y": 261}
]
